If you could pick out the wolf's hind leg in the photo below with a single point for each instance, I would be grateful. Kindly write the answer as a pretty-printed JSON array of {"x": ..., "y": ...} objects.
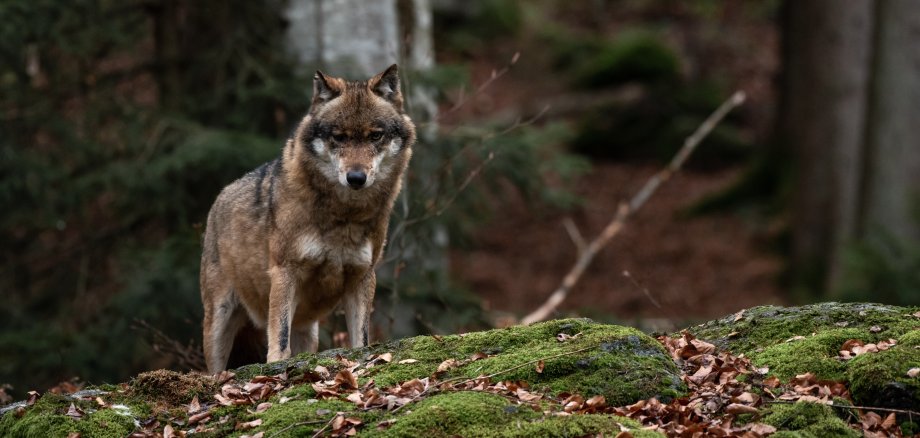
[
  {"x": 222, "y": 320},
  {"x": 305, "y": 338}
]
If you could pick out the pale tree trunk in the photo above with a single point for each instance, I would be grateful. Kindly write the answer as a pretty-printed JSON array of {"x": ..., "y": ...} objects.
[
  {"x": 827, "y": 57},
  {"x": 891, "y": 180}
]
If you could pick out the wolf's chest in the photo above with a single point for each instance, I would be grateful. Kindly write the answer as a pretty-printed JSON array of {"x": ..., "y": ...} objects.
[{"x": 338, "y": 249}]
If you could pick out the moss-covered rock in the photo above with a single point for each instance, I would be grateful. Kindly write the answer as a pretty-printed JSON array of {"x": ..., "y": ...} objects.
[
  {"x": 579, "y": 356},
  {"x": 807, "y": 420},
  {"x": 620, "y": 363},
  {"x": 798, "y": 340}
]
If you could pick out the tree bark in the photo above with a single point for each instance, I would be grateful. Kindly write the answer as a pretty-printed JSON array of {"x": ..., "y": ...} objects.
[
  {"x": 827, "y": 69},
  {"x": 891, "y": 177}
]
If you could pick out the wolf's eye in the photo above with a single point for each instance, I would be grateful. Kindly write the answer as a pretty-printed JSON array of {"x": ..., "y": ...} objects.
[
  {"x": 340, "y": 137},
  {"x": 375, "y": 136}
]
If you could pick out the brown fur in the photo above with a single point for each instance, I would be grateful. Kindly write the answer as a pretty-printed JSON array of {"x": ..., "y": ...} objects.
[{"x": 290, "y": 240}]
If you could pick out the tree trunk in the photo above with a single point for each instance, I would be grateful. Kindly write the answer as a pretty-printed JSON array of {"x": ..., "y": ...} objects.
[
  {"x": 827, "y": 69},
  {"x": 891, "y": 178}
]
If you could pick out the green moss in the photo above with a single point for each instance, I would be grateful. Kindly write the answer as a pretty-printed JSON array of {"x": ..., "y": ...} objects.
[
  {"x": 312, "y": 413},
  {"x": 880, "y": 379},
  {"x": 763, "y": 326},
  {"x": 815, "y": 354},
  {"x": 807, "y": 420},
  {"x": 47, "y": 419},
  {"x": 621, "y": 363},
  {"x": 571, "y": 426}
]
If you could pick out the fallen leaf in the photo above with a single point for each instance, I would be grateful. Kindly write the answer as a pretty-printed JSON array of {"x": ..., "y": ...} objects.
[
  {"x": 889, "y": 422},
  {"x": 346, "y": 379},
  {"x": 477, "y": 356},
  {"x": 74, "y": 412},
  {"x": 194, "y": 406},
  {"x": 875, "y": 329},
  {"x": 249, "y": 424},
  {"x": 795, "y": 338},
  {"x": 168, "y": 432},
  {"x": 258, "y": 435},
  {"x": 913, "y": 372},
  {"x": 737, "y": 408},
  {"x": 33, "y": 397},
  {"x": 73, "y": 435},
  {"x": 738, "y": 316},
  {"x": 624, "y": 434},
  {"x": 540, "y": 366},
  {"x": 763, "y": 429},
  {"x": 407, "y": 361},
  {"x": 446, "y": 365},
  {"x": 386, "y": 357},
  {"x": 355, "y": 397},
  {"x": 262, "y": 407}
]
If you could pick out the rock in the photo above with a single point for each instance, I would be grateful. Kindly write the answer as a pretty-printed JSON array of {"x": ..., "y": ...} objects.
[{"x": 797, "y": 340}]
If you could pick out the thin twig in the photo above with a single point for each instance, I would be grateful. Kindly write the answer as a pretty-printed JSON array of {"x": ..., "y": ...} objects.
[
  {"x": 866, "y": 408},
  {"x": 328, "y": 423},
  {"x": 303, "y": 423},
  {"x": 625, "y": 210}
]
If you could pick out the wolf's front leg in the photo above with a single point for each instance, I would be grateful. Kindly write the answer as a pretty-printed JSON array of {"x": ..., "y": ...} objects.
[
  {"x": 359, "y": 298},
  {"x": 281, "y": 307}
]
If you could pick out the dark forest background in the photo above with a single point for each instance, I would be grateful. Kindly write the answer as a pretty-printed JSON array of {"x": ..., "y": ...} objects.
[{"x": 120, "y": 121}]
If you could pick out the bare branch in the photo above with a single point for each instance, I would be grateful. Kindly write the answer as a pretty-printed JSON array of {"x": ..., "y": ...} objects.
[
  {"x": 625, "y": 210},
  {"x": 574, "y": 234}
]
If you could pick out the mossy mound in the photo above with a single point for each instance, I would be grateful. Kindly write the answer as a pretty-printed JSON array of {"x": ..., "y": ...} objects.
[
  {"x": 621, "y": 363},
  {"x": 579, "y": 356},
  {"x": 807, "y": 420},
  {"x": 798, "y": 340},
  {"x": 172, "y": 387}
]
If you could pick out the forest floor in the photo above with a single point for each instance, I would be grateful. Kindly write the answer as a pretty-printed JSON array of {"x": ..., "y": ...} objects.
[{"x": 681, "y": 268}]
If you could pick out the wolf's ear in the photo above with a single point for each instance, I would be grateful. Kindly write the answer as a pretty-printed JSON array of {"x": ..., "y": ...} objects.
[
  {"x": 386, "y": 85},
  {"x": 325, "y": 88}
]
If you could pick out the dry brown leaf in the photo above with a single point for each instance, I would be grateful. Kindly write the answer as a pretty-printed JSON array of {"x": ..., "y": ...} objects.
[
  {"x": 477, "y": 356},
  {"x": 73, "y": 435},
  {"x": 249, "y": 424},
  {"x": 407, "y": 361},
  {"x": 889, "y": 422},
  {"x": 168, "y": 432},
  {"x": 762, "y": 429},
  {"x": 540, "y": 366},
  {"x": 738, "y": 408},
  {"x": 33, "y": 397},
  {"x": 913, "y": 372},
  {"x": 258, "y": 435},
  {"x": 447, "y": 365},
  {"x": 624, "y": 434},
  {"x": 262, "y": 407},
  {"x": 875, "y": 329},
  {"x": 355, "y": 397},
  {"x": 346, "y": 379},
  {"x": 201, "y": 417},
  {"x": 386, "y": 357},
  {"x": 74, "y": 412},
  {"x": 194, "y": 406}
]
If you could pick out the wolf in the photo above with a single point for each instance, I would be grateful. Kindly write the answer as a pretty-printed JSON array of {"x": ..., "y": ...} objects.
[{"x": 290, "y": 240}]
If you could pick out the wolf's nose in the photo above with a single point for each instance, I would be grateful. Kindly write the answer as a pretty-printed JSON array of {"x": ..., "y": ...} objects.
[{"x": 356, "y": 178}]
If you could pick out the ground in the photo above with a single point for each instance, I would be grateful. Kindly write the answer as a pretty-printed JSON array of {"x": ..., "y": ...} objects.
[
  {"x": 570, "y": 377},
  {"x": 698, "y": 268}
]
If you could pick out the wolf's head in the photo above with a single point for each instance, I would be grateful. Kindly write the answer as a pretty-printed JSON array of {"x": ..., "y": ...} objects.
[{"x": 356, "y": 133}]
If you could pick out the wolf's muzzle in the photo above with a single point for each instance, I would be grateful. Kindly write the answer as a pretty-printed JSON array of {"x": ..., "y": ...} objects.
[{"x": 356, "y": 179}]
